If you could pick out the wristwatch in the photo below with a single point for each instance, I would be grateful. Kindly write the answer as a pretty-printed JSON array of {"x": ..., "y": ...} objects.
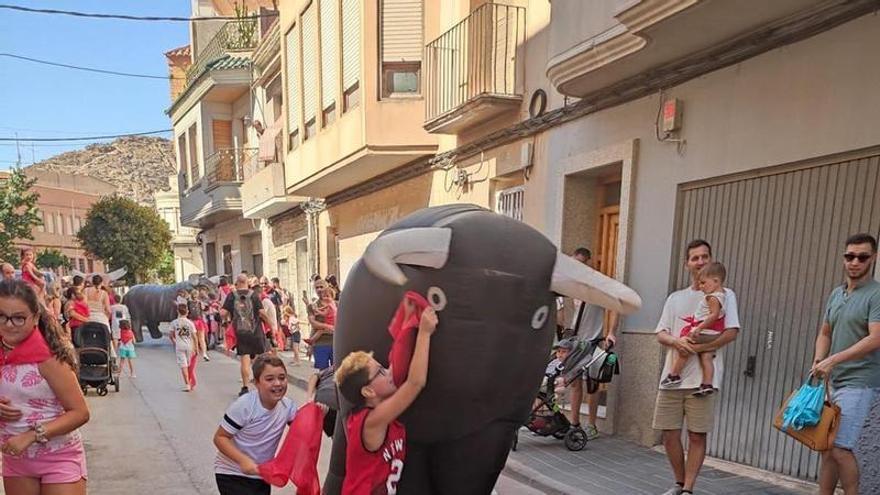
[{"x": 40, "y": 433}]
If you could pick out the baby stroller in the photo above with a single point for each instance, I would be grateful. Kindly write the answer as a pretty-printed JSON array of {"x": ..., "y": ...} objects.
[
  {"x": 547, "y": 419},
  {"x": 97, "y": 367}
]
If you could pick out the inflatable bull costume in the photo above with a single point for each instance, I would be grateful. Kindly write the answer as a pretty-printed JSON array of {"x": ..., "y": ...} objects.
[
  {"x": 152, "y": 304},
  {"x": 493, "y": 281}
]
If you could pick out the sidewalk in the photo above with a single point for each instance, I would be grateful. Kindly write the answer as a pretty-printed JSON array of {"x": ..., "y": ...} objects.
[{"x": 607, "y": 466}]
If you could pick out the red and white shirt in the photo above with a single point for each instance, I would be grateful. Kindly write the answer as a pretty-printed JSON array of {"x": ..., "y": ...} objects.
[{"x": 378, "y": 472}]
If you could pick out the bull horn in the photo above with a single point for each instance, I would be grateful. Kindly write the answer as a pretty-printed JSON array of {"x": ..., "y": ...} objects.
[
  {"x": 424, "y": 246},
  {"x": 576, "y": 280},
  {"x": 117, "y": 274}
]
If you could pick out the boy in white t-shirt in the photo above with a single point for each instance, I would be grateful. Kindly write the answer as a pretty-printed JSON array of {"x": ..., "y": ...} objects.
[
  {"x": 182, "y": 335},
  {"x": 703, "y": 327},
  {"x": 251, "y": 430}
]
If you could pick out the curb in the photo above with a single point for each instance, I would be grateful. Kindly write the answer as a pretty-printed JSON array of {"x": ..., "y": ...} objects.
[{"x": 521, "y": 473}]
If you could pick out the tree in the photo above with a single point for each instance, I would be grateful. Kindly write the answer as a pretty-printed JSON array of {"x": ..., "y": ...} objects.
[
  {"x": 18, "y": 212},
  {"x": 51, "y": 259},
  {"x": 125, "y": 234},
  {"x": 164, "y": 273}
]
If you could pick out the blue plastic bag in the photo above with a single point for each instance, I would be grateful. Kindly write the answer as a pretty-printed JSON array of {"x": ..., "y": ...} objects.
[{"x": 805, "y": 407}]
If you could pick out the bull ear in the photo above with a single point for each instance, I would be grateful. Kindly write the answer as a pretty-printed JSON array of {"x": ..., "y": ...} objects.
[
  {"x": 422, "y": 246},
  {"x": 574, "y": 279}
]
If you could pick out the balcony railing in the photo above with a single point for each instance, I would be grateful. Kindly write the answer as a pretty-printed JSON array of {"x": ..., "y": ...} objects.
[
  {"x": 476, "y": 57},
  {"x": 234, "y": 35},
  {"x": 228, "y": 165}
]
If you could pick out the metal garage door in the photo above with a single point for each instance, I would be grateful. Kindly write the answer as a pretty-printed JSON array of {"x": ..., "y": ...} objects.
[{"x": 779, "y": 231}]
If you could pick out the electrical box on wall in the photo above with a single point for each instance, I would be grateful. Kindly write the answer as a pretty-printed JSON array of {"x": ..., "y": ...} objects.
[{"x": 671, "y": 115}]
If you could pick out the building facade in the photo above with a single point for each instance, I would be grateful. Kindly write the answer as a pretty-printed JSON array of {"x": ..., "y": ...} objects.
[
  {"x": 64, "y": 202},
  {"x": 184, "y": 244}
]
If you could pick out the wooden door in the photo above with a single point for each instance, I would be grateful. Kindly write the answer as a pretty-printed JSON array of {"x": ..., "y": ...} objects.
[{"x": 223, "y": 160}]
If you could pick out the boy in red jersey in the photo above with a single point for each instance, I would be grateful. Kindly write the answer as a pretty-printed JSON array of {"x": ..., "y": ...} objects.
[{"x": 376, "y": 439}]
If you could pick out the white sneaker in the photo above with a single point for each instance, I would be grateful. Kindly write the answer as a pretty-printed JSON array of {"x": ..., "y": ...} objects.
[{"x": 675, "y": 490}]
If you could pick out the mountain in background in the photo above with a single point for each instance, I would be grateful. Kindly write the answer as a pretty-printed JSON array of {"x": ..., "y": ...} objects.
[{"x": 138, "y": 166}]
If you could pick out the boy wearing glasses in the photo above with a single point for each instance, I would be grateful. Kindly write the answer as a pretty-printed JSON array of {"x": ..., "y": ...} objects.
[
  {"x": 376, "y": 439},
  {"x": 848, "y": 352}
]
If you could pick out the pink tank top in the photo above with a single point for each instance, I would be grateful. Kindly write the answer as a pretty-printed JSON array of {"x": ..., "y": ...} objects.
[{"x": 29, "y": 391}]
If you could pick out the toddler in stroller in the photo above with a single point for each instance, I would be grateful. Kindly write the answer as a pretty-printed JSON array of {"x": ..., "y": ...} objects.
[{"x": 546, "y": 418}]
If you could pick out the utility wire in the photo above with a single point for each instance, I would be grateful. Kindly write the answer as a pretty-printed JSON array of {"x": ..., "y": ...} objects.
[
  {"x": 89, "y": 69},
  {"x": 132, "y": 17},
  {"x": 90, "y": 138}
]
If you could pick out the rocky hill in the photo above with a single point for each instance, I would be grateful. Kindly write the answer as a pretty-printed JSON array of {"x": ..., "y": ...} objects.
[{"x": 138, "y": 166}]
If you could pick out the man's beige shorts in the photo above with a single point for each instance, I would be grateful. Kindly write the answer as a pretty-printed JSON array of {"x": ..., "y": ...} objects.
[{"x": 673, "y": 406}]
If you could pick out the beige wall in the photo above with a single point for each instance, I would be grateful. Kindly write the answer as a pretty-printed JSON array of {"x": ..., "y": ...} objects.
[{"x": 230, "y": 233}]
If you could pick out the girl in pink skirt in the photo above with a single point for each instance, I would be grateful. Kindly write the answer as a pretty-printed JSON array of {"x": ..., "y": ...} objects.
[{"x": 41, "y": 404}]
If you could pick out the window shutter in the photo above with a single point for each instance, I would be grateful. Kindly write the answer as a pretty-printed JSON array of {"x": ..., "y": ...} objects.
[
  {"x": 310, "y": 63},
  {"x": 329, "y": 51},
  {"x": 401, "y": 30},
  {"x": 351, "y": 43},
  {"x": 293, "y": 91}
]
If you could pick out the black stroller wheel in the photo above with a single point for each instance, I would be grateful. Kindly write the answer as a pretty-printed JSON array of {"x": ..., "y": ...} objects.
[
  {"x": 102, "y": 391},
  {"x": 576, "y": 439},
  {"x": 85, "y": 390}
]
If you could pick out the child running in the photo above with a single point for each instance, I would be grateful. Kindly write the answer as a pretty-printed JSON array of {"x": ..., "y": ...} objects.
[
  {"x": 41, "y": 443},
  {"x": 705, "y": 326},
  {"x": 251, "y": 430},
  {"x": 183, "y": 334},
  {"x": 376, "y": 439},
  {"x": 126, "y": 347}
]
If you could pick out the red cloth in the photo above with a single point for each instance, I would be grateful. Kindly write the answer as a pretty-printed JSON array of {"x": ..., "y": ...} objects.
[
  {"x": 82, "y": 308},
  {"x": 126, "y": 335},
  {"x": 692, "y": 323},
  {"x": 297, "y": 460},
  {"x": 230, "y": 337},
  {"x": 26, "y": 269},
  {"x": 330, "y": 314},
  {"x": 403, "y": 331},
  {"x": 368, "y": 472},
  {"x": 33, "y": 349}
]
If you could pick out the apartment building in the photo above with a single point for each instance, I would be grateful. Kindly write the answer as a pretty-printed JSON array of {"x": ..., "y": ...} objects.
[
  {"x": 353, "y": 138},
  {"x": 64, "y": 201},
  {"x": 216, "y": 142},
  {"x": 640, "y": 125},
  {"x": 184, "y": 243}
]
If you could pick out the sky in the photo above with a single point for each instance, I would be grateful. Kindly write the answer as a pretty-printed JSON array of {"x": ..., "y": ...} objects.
[{"x": 43, "y": 101}]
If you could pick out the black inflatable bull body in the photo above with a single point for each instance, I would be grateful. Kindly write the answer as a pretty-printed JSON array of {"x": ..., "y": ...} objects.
[
  {"x": 152, "y": 304},
  {"x": 493, "y": 281}
]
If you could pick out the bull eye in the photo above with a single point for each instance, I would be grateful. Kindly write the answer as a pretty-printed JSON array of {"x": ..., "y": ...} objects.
[
  {"x": 437, "y": 298},
  {"x": 540, "y": 317}
]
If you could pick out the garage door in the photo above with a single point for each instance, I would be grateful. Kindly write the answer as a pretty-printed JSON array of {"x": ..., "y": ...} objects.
[{"x": 780, "y": 233}]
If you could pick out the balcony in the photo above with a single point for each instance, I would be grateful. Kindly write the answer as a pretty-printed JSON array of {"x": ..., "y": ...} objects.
[
  {"x": 234, "y": 36},
  {"x": 217, "y": 197},
  {"x": 472, "y": 71},
  {"x": 263, "y": 194},
  {"x": 595, "y": 44}
]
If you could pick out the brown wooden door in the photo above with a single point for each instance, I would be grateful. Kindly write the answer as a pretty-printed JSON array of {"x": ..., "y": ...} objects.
[{"x": 223, "y": 160}]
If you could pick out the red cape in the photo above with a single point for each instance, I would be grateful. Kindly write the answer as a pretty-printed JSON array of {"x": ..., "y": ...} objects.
[
  {"x": 403, "y": 330},
  {"x": 297, "y": 460}
]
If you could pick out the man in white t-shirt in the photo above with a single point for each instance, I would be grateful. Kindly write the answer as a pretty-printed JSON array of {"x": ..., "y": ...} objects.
[
  {"x": 587, "y": 326},
  {"x": 674, "y": 405}
]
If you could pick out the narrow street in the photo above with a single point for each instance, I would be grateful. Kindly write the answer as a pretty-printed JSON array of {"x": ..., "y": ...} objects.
[{"x": 151, "y": 438}]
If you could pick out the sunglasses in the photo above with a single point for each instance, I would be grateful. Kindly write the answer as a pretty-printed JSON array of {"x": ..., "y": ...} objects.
[{"x": 862, "y": 257}]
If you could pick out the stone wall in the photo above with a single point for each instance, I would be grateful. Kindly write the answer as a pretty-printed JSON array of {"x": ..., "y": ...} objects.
[{"x": 868, "y": 452}]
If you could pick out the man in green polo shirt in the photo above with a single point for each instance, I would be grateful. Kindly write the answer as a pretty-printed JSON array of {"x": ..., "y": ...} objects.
[{"x": 848, "y": 350}]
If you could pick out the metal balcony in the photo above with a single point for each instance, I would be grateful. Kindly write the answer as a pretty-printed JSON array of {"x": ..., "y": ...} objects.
[
  {"x": 472, "y": 70},
  {"x": 229, "y": 165},
  {"x": 233, "y": 36}
]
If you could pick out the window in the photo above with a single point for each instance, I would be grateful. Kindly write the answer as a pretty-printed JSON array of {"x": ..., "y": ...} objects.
[
  {"x": 82, "y": 264},
  {"x": 211, "y": 259},
  {"x": 59, "y": 224},
  {"x": 293, "y": 87},
  {"x": 401, "y": 47},
  {"x": 42, "y": 226},
  {"x": 311, "y": 73},
  {"x": 227, "y": 259},
  {"x": 91, "y": 266},
  {"x": 329, "y": 59},
  {"x": 510, "y": 202},
  {"x": 49, "y": 220},
  {"x": 351, "y": 53},
  {"x": 70, "y": 230},
  {"x": 77, "y": 224},
  {"x": 181, "y": 156},
  {"x": 193, "y": 157}
]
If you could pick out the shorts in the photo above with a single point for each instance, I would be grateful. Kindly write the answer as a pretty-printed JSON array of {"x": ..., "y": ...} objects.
[
  {"x": 855, "y": 405},
  {"x": 183, "y": 358},
  {"x": 250, "y": 343},
  {"x": 296, "y": 337},
  {"x": 230, "y": 484},
  {"x": 673, "y": 407},
  {"x": 323, "y": 356},
  {"x": 126, "y": 351},
  {"x": 66, "y": 465}
]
